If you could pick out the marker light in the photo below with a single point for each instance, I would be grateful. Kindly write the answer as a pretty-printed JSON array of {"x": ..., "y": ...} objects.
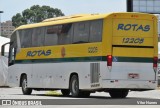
[
  {"x": 155, "y": 61},
  {"x": 109, "y": 60}
]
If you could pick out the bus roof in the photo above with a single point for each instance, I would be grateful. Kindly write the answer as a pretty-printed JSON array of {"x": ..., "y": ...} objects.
[
  {"x": 64, "y": 19},
  {"x": 70, "y": 19}
]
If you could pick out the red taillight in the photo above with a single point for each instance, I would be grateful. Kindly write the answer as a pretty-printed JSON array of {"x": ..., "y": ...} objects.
[
  {"x": 155, "y": 61},
  {"x": 109, "y": 60}
]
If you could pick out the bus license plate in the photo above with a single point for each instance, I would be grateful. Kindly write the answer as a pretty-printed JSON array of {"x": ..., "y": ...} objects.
[{"x": 133, "y": 76}]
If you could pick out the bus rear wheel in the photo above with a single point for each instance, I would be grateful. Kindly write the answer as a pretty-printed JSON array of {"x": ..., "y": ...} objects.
[
  {"x": 74, "y": 86},
  {"x": 118, "y": 93},
  {"x": 25, "y": 90},
  {"x": 65, "y": 92}
]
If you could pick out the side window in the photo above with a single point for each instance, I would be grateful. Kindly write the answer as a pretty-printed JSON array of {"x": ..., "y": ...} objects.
[
  {"x": 38, "y": 37},
  {"x": 81, "y": 32},
  {"x": 65, "y": 35},
  {"x": 96, "y": 31},
  {"x": 26, "y": 38},
  {"x": 51, "y": 35}
]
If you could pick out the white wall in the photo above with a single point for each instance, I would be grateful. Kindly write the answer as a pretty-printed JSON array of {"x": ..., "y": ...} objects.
[
  {"x": 4, "y": 40},
  {"x": 3, "y": 63}
]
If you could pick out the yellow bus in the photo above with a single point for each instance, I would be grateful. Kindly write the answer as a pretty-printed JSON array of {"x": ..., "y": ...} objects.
[{"x": 82, "y": 54}]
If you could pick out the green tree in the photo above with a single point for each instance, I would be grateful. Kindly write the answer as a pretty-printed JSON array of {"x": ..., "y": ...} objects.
[
  {"x": 18, "y": 20},
  {"x": 35, "y": 14}
]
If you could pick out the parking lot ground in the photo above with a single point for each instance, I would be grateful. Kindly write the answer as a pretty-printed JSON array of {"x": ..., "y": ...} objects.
[{"x": 96, "y": 100}]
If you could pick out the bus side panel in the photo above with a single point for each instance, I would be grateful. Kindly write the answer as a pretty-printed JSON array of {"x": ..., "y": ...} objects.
[
  {"x": 13, "y": 76},
  {"x": 57, "y": 75},
  {"x": 15, "y": 71}
]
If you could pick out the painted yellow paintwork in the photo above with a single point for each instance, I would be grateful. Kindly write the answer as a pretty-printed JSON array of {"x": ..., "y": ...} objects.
[
  {"x": 148, "y": 41},
  {"x": 64, "y": 21},
  {"x": 110, "y": 37},
  {"x": 131, "y": 33},
  {"x": 133, "y": 52},
  {"x": 77, "y": 50}
]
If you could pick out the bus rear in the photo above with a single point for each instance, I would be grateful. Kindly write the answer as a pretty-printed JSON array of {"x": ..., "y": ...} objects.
[{"x": 133, "y": 49}]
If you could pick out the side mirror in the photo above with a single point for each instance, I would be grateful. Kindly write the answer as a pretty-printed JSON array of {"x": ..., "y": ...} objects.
[{"x": 3, "y": 49}]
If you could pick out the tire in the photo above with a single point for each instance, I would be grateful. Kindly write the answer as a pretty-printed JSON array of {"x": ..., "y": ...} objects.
[
  {"x": 25, "y": 90},
  {"x": 118, "y": 93},
  {"x": 74, "y": 86},
  {"x": 65, "y": 92}
]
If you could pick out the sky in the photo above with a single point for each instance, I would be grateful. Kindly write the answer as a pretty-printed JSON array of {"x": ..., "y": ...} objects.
[{"x": 68, "y": 7}]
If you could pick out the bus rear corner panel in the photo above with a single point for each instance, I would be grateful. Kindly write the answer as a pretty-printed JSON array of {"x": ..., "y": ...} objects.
[{"x": 134, "y": 76}]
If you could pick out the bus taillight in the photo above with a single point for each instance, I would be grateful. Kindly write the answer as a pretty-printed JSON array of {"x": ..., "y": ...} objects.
[
  {"x": 155, "y": 61},
  {"x": 109, "y": 60}
]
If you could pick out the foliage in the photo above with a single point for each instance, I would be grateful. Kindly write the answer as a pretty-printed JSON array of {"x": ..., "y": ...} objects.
[{"x": 35, "y": 14}]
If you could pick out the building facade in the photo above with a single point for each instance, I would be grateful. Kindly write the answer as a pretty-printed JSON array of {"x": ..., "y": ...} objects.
[
  {"x": 7, "y": 28},
  {"x": 145, "y": 6}
]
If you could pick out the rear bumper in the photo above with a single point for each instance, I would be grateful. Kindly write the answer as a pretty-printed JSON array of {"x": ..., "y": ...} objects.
[{"x": 129, "y": 84}]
